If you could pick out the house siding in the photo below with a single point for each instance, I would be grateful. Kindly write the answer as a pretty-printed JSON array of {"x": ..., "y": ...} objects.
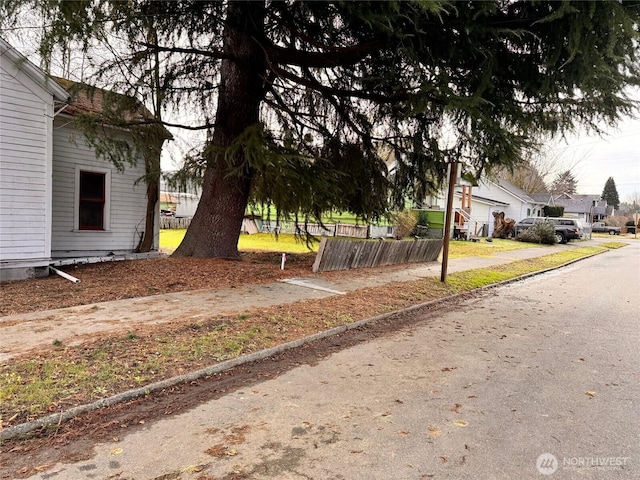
[
  {"x": 480, "y": 213},
  {"x": 26, "y": 112},
  {"x": 126, "y": 201},
  {"x": 492, "y": 191}
]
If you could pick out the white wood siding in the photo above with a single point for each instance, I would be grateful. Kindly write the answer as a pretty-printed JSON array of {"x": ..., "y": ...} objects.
[
  {"x": 25, "y": 154},
  {"x": 516, "y": 209},
  {"x": 127, "y": 203}
]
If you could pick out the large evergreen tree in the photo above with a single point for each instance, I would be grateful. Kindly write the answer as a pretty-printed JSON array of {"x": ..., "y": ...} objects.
[
  {"x": 300, "y": 98},
  {"x": 610, "y": 193}
]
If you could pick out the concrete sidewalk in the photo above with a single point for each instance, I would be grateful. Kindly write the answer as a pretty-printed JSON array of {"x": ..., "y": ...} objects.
[{"x": 21, "y": 333}]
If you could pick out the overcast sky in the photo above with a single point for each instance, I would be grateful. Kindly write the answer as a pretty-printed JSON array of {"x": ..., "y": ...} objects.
[{"x": 596, "y": 159}]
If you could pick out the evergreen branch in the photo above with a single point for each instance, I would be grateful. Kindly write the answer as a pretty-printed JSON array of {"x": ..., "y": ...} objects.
[
  {"x": 217, "y": 54},
  {"x": 339, "y": 92},
  {"x": 330, "y": 57}
]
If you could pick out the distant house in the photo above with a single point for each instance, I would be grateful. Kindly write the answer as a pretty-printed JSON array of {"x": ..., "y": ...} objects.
[
  {"x": 57, "y": 198},
  {"x": 168, "y": 203},
  {"x": 474, "y": 214},
  {"x": 182, "y": 203},
  {"x": 577, "y": 206}
]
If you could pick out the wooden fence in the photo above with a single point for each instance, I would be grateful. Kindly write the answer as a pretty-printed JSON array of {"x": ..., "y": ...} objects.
[
  {"x": 343, "y": 254},
  {"x": 326, "y": 230},
  {"x": 173, "y": 222}
]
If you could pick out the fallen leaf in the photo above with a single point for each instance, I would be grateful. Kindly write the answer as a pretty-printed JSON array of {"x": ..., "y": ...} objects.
[
  {"x": 193, "y": 469},
  {"x": 444, "y": 459},
  {"x": 434, "y": 432},
  {"x": 590, "y": 393},
  {"x": 461, "y": 423},
  {"x": 456, "y": 408},
  {"x": 232, "y": 452},
  {"x": 218, "y": 451},
  {"x": 116, "y": 451},
  {"x": 357, "y": 451},
  {"x": 403, "y": 432}
]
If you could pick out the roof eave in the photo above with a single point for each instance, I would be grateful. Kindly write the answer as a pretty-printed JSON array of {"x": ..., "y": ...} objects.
[{"x": 33, "y": 72}]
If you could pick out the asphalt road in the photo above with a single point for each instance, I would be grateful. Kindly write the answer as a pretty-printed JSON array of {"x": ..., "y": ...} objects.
[{"x": 540, "y": 379}]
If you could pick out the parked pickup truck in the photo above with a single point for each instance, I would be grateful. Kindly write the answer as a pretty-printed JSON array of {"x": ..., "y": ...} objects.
[
  {"x": 602, "y": 228},
  {"x": 565, "y": 228}
]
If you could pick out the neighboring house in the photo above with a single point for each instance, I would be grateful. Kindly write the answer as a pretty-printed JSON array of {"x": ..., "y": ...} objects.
[
  {"x": 577, "y": 206},
  {"x": 487, "y": 197},
  {"x": 57, "y": 198},
  {"x": 168, "y": 202},
  {"x": 182, "y": 203}
]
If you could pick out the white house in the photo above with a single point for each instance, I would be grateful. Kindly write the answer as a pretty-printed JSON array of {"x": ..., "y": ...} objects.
[
  {"x": 489, "y": 196},
  {"x": 185, "y": 201},
  {"x": 583, "y": 207},
  {"x": 499, "y": 195},
  {"x": 57, "y": 198}
]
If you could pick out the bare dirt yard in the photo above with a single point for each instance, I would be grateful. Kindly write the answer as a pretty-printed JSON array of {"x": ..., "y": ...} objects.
[{"x": 101, "y": 282}]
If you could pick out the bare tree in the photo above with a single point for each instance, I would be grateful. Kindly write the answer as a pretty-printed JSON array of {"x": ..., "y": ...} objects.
[{"x": 538, "y": 170}]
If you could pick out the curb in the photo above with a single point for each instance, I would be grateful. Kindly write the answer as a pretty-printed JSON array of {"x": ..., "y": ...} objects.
[{"x": 57, "y": 418}]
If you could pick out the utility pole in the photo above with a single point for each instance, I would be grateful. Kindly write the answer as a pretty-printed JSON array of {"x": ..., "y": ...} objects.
[{"x": 453, "y": 173}]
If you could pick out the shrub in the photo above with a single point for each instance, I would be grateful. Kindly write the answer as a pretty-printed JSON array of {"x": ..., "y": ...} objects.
[
  {"x": 616, "y": 221},
  {"x": 551, "y": 211},
  {"x": 543, "y": 232},
  {"x": 404, "y": 222},
  {"x": 421, "y": 229},
  {"x": 423, "y": 217}
]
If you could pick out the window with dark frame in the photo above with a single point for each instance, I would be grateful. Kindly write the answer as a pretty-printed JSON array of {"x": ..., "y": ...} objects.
[{"x": 92, "y": 200}]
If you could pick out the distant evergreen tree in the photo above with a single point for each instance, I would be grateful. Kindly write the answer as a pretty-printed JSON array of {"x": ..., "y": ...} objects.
[{"x": 610, "y": 193}]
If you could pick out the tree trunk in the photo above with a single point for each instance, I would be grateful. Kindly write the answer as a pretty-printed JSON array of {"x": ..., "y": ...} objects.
[
  {"x": 215, "y": 227},
  {"x": 151, "y": 139},
  {"x": 152, "y": 171}
]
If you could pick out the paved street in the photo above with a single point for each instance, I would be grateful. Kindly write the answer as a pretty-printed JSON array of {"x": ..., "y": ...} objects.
[{"x": 547, "y": 366}]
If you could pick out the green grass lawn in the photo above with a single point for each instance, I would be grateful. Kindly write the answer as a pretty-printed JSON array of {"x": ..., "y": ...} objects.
[
  {"x": 287, "y": 243},
  {"x": 460, "y": 249}
]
